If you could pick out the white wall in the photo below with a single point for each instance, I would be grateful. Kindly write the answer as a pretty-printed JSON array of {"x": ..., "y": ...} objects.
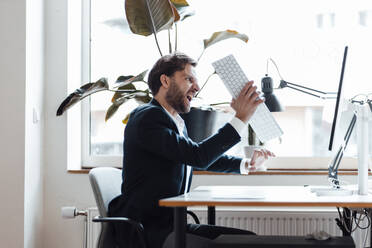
[
  {"x": 34, "y": 124},
  {"x": 12, "y": 124},
  {"x": 61, "y": 188},
  {"x": 21, "y": 69}
]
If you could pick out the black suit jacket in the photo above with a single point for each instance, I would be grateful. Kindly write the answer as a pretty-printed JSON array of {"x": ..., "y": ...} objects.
[{"x": 155, "y": 156}]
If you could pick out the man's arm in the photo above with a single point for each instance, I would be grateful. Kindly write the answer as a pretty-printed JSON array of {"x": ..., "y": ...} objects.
[
  {"x": 226, "y": 164},
  {"x": 157, "y": 137}
]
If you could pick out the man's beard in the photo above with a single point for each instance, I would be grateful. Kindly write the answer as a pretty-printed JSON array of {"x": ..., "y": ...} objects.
[{"x": 176, "y": 99}]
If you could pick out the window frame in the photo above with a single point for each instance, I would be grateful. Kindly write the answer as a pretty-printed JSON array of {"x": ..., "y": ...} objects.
[
  {"x": 87, "y": 159},
  {"x": 90, "y": 161}
]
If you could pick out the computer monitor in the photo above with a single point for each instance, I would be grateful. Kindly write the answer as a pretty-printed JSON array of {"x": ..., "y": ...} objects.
[
  {"x": 337, "y": 114},
  {"x": 335, "y": 131},
  {"x": 335, "y": 162},
  {"x": 360, "y": 114}
]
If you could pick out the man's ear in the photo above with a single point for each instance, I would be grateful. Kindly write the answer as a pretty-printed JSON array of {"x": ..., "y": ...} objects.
[{"x": 165, "y": 80}]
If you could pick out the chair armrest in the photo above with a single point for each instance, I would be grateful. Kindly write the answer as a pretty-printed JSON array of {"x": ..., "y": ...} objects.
[
  {"x": 118, "y": 219},
  {"x": 194, "y": 216},
  {"x": 137, "y": 225}
]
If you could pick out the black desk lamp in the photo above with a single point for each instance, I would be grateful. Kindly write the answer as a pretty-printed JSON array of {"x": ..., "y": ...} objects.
[
  {"x": 333, "y": 167},
  {"x": 273, "y": 103},
  {"x": 307, "y": 90}
]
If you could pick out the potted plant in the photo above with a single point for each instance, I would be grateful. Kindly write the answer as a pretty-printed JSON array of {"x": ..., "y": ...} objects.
[{"x": 140, "y": 15}]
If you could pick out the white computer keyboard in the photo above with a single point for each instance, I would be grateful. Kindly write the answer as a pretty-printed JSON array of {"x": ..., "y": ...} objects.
[{"x": 262, "y": 122}]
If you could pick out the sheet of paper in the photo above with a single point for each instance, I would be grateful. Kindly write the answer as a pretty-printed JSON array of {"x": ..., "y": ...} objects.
[{"x": 238, "y": 195}]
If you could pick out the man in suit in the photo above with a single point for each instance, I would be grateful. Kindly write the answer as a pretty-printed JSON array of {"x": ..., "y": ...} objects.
[{"x": 159, "y": 156}]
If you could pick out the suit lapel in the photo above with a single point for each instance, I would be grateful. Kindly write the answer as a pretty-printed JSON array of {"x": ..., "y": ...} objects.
[{"x": 156, "y": 103}]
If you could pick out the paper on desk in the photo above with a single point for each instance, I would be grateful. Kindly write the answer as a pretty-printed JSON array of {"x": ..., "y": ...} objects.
[{"x": 238, "y": 195}]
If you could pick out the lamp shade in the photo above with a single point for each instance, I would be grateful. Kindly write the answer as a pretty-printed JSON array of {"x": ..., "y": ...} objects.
[{"x": 271, "y": 101}]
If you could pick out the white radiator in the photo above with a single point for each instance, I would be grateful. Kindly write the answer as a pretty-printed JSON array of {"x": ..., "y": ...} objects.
[
  {"x": 93, "y": 229},
  {"x": 263, "y": 222}
]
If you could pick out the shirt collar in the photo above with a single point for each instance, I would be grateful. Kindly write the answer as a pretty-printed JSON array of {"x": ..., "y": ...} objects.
[{"x": 180, "y": 123}]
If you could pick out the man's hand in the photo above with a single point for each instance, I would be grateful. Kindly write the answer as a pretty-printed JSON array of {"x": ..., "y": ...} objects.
[
  {"x": 258, "y": 158},
  {"x": 247, "y": 102}
]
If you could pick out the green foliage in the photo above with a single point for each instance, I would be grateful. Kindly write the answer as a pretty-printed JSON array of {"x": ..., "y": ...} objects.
[{"x": 145, "y": 17}]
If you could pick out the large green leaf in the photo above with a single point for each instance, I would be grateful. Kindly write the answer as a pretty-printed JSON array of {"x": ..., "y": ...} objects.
[
  {"x": 126, "y": 119},
  {"x": 123, "y": 80},
  {"x": 146, "y": 17},
  {"x": 81, "y": 93},
  {"x": 223, "y": 35},
  {"x": 123, "y": 91},
  {"x": 114, "y": 107},
  {"x": 125, "y": 85},
  {"x": 143, "y": 97},
  {"x": 139, "y": 96},
  {"x": 179, "y": 2},
  {"x": 183, "y": 9}
]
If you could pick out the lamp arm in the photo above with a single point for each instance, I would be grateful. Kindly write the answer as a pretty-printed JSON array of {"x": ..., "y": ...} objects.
[
  {"x": 333, "y": 167},
  {"x": 306, "y": 90},
  {"x": 303, "y": 91}
]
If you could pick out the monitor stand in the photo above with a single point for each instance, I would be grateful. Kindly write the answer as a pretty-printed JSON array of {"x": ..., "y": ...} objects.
[
  {"x": 335, "y": 189},
  {"x": 330, "y": 191},
  {"x": 360, "y": 117}
]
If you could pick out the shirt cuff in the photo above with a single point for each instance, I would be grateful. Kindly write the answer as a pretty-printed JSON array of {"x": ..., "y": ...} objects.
[
  {"x": 243, "y": 168},
  {"x": 238, "y": 125}
]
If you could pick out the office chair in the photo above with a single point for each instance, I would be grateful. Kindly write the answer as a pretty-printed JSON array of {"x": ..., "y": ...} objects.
[{"x": 106, "y": 185}]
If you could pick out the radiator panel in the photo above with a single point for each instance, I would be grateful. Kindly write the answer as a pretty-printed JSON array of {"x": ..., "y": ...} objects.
[{"x": 298, "y": 223}]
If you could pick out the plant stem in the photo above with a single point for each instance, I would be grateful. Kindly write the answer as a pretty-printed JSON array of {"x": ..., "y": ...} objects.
[
  {"x": 153, "y": 26},
  {"x": 175, "y": 37},
  {"x": 169, "y": 41},
  {"x": 205, "y": 83},
  {"x": 201, "y": 54},
  {"x": 157, "y": 44},
  {"x": 127, "y": 91}
]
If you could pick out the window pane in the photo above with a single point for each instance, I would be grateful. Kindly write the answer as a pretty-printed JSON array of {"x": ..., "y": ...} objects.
[{"x": 305, "y": 38}]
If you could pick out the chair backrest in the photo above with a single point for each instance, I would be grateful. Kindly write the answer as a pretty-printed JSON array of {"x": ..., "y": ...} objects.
[{"x": 106, "y": 185}]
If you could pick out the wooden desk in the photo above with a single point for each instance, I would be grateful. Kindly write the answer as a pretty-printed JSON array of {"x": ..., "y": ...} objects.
[{"x": 268, "y": 196}]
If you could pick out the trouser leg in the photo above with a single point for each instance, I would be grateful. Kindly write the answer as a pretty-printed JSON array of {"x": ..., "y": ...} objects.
[{"x": 212, "y": 232}]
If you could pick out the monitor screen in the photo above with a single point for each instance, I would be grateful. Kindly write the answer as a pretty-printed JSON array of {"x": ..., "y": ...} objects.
[{"x": 336, "y": 115}]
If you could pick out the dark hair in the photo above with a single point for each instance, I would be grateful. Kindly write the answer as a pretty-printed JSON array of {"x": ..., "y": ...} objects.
[{"x": 168, "y": 65}]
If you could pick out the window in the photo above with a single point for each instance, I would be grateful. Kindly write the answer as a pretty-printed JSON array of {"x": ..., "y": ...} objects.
[{"x": 305, "y": 39}]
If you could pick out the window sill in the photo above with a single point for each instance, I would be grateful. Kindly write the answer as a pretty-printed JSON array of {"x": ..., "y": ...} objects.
[{"x": 268, "y": 172}]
